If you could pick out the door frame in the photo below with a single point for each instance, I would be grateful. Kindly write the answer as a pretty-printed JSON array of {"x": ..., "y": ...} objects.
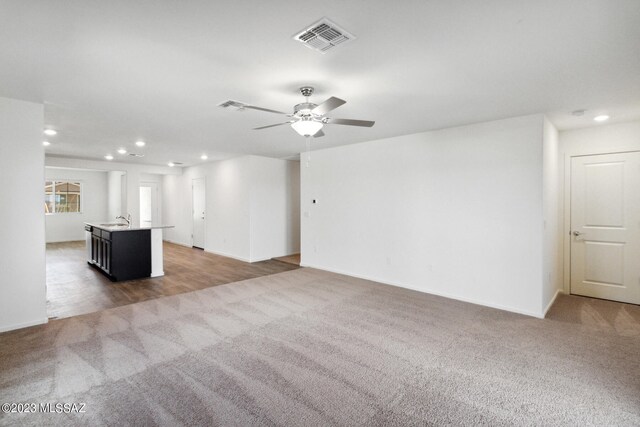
[
  {"x": 154, "y": 186},
  {"x": 204, "y": 225},
  {"x": 566, "y": 229}
]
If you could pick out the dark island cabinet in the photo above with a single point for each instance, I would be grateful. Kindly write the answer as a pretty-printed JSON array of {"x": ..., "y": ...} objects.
[{"x": 121, "y": 255}]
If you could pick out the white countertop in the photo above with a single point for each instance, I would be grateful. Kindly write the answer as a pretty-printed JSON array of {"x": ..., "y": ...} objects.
[{"x": 112, "y": 226}]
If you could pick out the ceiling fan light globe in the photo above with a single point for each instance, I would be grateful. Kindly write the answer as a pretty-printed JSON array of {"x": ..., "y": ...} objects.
[{"x": 306, "y": 127}]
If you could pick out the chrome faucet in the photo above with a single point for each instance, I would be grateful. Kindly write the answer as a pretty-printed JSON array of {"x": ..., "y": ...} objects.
[{"x": 128, "y": 219}]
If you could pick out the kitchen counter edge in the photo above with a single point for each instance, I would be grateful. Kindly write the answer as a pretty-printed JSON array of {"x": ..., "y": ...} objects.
[{"x": 121, "y": 228}]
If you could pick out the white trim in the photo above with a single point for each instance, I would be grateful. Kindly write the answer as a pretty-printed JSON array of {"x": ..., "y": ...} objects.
[
  {"x": 67, "y": 180},
  {"x": 566, "y": 276},
  {"x": 227, "y": 255},
  {"x": 23, "y": 325},
  {"x": 177, "y": 243},
  {"x": 262, "y": 259},
  {"x": 539, "y": 315},
  {"x": 567, "y": 207},
  {"x": 157, "y": 256},
  {"x": 217, "y": 253},
  {"x": 204, "y": 231},
  {"x": 546, "y": 310},
  {"x": 158, "y": 186}
]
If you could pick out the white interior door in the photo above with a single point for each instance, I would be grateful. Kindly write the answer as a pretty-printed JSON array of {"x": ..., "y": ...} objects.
[
  {"x": 605, "y": 226},
  {"x": 199, "y": 212},
  {"x": 149, "y": 204}
]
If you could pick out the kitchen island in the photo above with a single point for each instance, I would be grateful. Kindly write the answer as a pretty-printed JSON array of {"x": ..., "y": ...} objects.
[{"x": 123, "y": 252}]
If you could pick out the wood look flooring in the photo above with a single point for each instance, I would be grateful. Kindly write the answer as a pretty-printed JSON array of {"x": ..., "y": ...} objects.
[
  {"x": 290, "y": 259},
  {"x": 74, "y": 287}
]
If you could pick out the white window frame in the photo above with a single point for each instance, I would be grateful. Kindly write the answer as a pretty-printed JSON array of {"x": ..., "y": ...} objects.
[{"x": 62, "y": 180}]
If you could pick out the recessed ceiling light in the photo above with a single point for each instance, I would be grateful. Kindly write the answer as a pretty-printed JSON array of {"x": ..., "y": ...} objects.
[
  {"x": 108, "y": 157},
  {"x": 50, "y": 132},
  {"x": 171, "y": 164},
  {"x": 204, "y": 157},
  {"x": 601, "y": 118},
  {"x": 140, "y": 143},
  {"x": 46, "y": 143},
  {"x": 122, "y": 151}
]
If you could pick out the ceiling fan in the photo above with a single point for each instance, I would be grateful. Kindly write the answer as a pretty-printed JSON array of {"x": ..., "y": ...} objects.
[{"x": 307, "y": 118}]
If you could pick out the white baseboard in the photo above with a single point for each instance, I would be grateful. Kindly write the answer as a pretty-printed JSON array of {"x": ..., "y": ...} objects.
[
  {"x": 433, "y": 292},
  {"x": 273, "y": 256},
  {"x": 218, "y": 253},
  {"x": 225, "y": 254},
  {"x": 23, "y": 325},
  {"x": 546, "y": 310},
  {"x": 177, "y": 243},
  {"x": 228, "y": 255}
]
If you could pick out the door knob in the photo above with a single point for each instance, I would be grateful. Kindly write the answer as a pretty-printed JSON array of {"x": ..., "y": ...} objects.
[{"x": 577, "y": 233}]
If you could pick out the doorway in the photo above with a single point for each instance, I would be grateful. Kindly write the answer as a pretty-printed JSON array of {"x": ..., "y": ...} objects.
[
  {"x": 149, "y": 206},
  {"x": 199, "y": 212},
  {"x": 605, "y": 227}
]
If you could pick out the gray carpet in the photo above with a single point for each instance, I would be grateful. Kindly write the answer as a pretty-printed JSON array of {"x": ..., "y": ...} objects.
[{"x": 313, "y": 348}]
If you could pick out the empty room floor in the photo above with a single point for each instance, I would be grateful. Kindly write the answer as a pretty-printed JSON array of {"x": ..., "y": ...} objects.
[
  {"x": 307, "y": 347},
  {"x": 74, "y": 287}
]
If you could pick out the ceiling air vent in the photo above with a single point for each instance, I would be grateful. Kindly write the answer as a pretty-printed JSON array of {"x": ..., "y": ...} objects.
[
  {"x": 136, "y": 155},
  {"x": 323, "y": 36}
]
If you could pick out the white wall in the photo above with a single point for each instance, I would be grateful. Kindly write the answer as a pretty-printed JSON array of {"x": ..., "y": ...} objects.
[
  {"x": 227, "y": 226},
  {"x": 65, "y": 227},
  {"x": 600, "y": 139},
  {"x": 228, "y": 192},
  {"x": 176, "y": 209},
  {"x": 22, "y": 239},
  {"x": 456, "y": 212},
  {"x": 293, "y": 207},
  {"x": 116, "y": 187},
  {"x": 552, "y": 196},
  {"x": 275, "y": 208},
  {"x": 156, "y": 200},
  {"x": 251, "y": 204},
  {"x": 134, "y": 174}
]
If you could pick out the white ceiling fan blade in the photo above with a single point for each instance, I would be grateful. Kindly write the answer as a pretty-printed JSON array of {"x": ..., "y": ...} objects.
[
  {"x": 328, "y": 105},
  {"x": 270, "y": 126},
  {"x": 241, "y": 106},
  {"x": 350, "y": 122},
  {"x": 253, "y": 107}
]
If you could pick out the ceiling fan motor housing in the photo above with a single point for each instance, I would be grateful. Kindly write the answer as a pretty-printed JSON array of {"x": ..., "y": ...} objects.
[
  {"x": 306, "y": 91},
  {"x": 304, "y": 109}
]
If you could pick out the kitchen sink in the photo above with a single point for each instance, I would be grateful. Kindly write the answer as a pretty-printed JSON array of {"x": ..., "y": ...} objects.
[{"x": 115, "y": 225}]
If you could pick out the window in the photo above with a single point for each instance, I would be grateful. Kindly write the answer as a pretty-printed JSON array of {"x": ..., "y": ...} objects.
[{"x": 61, "y": 197}]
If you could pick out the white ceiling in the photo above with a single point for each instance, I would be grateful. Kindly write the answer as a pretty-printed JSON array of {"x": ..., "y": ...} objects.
[{"x": 112, "y": 72}]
